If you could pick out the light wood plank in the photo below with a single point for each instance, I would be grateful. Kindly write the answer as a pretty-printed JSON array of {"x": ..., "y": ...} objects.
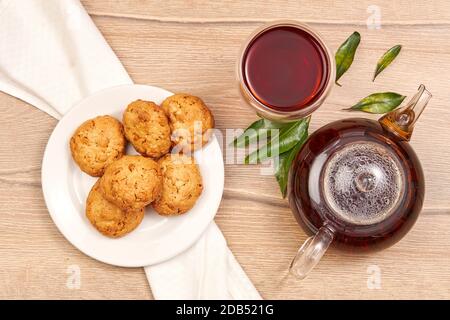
[{"x": 331, "y": 12}]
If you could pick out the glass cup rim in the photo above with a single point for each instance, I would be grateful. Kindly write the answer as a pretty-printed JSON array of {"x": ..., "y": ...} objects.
[{"x": 280, "y": 115}]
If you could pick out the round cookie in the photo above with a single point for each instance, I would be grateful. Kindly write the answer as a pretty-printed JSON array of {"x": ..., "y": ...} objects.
[
  {"x": 182, "y": 184},
  {"x": 190, "y": 121},
  {"x": 147, "y": 128},
  {"x": 97, "y": 143},
  {"x": 132, "y": 182},
  {"x": 109, "y": 219}
]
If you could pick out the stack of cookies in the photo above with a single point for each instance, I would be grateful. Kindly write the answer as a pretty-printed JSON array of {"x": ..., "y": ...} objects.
[{"x": 164, "y": 176}]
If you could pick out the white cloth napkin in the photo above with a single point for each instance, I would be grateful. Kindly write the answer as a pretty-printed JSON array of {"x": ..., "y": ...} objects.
[{"x": 51, "y": 56}]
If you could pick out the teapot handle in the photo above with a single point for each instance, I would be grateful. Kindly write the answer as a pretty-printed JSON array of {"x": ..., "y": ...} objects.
[
  {"x": 401, "y": 121},
  {"x": 311, "y": 252}
]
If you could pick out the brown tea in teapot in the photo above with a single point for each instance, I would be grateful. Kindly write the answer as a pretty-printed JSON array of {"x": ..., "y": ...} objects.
[
  {"x": 358, "y": 180},
  {"x": 357, "y": 184}
]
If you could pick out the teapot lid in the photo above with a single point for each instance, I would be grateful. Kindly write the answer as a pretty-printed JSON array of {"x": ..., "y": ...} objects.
[{"x": 362, "y": 182}]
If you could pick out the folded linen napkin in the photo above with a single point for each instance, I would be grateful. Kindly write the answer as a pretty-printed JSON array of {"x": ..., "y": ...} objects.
[{"x": 51, "y": 56}]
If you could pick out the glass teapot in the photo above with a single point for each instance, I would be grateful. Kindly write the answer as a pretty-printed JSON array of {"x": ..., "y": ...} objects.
[{"x": 357, "y": 184}]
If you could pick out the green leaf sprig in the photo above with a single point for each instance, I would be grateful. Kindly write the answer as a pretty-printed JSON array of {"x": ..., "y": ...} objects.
[
  {"x": 286, "y": 144},
  {"x": 258, "y": 129},
  {"x": 378, "y": 103},
  {"x": 285, "y": 162},
  {"x": 386, "y": 59},
  {"x": 345, "y": 54}
]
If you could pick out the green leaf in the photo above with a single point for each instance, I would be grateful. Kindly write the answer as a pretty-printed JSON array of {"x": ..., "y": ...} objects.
[
  {"x": 345, "y": 54},
  {"x": 285, "y": 162},
  {"x": 379, "y": 102},
  {"x": 256, "y": 130},
  {"x": 386, "y": 59},
  {"x": 285, "y": 141},
  {"x": 249, "y": 134}
]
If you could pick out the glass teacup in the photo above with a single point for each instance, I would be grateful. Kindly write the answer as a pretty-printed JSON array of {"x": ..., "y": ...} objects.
[{"x": 285, "y": 70}]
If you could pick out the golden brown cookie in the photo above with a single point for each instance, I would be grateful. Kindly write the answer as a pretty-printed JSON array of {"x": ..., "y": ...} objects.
[
  {"x": 182, "y": 184},
  {"x": 107, "y": 217},
  {"x": 147, "y": 128},
  {"x": 190, "y": 121},
  {"x": 97, "y": 143},
  {"x": 132, "y": 182}
]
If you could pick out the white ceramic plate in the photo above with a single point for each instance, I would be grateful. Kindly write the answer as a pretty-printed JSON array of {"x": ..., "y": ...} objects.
[{"x": 65, "y": 190}]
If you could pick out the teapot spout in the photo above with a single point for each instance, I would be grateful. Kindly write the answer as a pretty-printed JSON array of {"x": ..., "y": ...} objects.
[{"x": 402, "y": 120}]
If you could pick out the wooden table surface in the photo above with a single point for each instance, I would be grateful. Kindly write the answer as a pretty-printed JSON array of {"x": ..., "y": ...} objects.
[{"x": 192, "y": 46}]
